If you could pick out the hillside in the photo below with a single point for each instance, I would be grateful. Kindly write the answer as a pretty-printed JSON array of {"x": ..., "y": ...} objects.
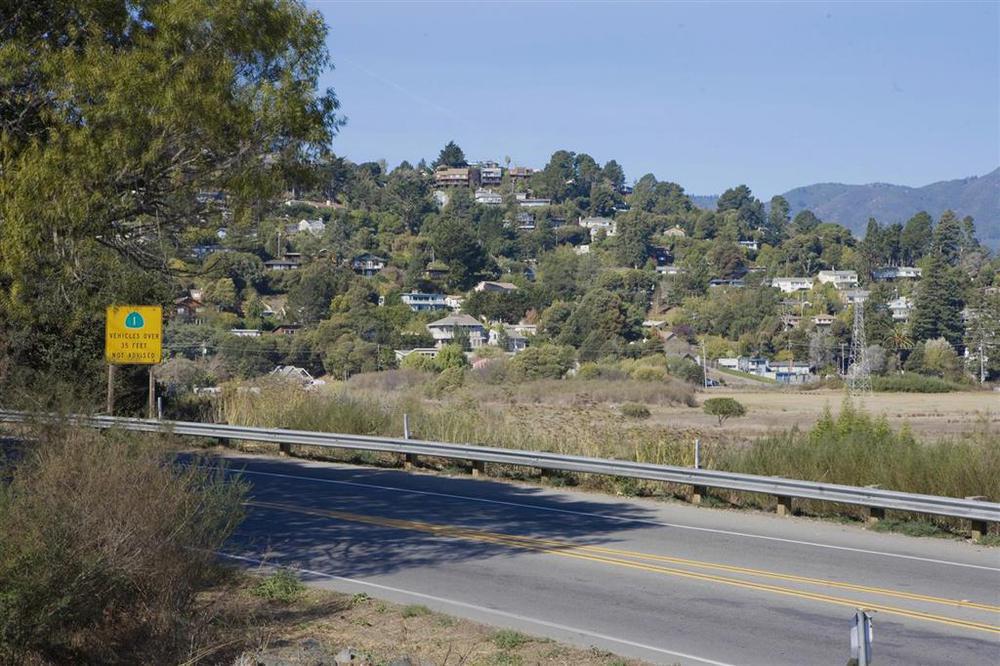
[{"x": 852, "y": 205}]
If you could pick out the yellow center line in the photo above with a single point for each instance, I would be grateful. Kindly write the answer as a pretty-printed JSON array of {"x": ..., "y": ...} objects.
[{"x": 565, "y": 549}]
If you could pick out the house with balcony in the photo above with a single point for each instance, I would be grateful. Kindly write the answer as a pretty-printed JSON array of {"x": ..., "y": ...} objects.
[
  {"x": 526, "y": 200},
  {"x": 314, "y": 227},
  {"x": 456, "y": 177},
  {"x": 285, "y": 264},
  {"x": 488, "y": 197},
  {"x": 446, "y": 330},
  {"x": 421, "y": 302},
  {"x": 595, "y": 224},
  {"x": 893, "y": 273},
  {"x": 520, "y": 173},
  {"x": 789, "y": 285},
  {"x": 823, "y": 320},
  {"x": 490, "y": 173},
  {"x": 508, "y": 338},
  {"x": 839, "y": 279},
  {"x": 901, "y": 308},
  {"x": 852, "y": 296},
  {"x": 368, "y": 264}
]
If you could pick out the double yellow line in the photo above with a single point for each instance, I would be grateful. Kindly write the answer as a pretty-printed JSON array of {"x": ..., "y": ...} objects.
[{"x": 638, "y": 561}]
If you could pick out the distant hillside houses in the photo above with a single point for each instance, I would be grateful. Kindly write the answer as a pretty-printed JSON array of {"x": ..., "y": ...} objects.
[
  {"x": 783, "y": 372},
  {"x": 890, "y": 273}
]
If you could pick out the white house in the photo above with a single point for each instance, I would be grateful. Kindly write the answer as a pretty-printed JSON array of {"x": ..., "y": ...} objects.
[
  {"x": 443, "y": 330},
  {"x": 890, "y": 273},
  {"x": 454, "y": 301},
  {"x": 488, "y": 197},
  {"x": 901, "y": 308},
  {"x": 839, "y": 279},
  {"x": 822, "y": 320},
  {"x": 295, "y": 374},
  {"x": 854, "y": 295},
  {"x": 751, "y": 245},
  {"x": 315, "y": 227},
  {"x": 515, "y": 341},
  {"x": 245, "y": 332},
  {"x": 419, "y": 302},
  {"x": 595, "y": 224},
  {"x": 429, "y": 352},
  {"x": 789, "y": 285}
]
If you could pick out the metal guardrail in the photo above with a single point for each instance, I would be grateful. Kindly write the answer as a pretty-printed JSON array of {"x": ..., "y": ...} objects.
[{"x": 979, "y": 512}]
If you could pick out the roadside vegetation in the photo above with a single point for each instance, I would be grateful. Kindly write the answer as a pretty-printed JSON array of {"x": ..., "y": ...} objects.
[
  {"x": 105, "y": 547},
  {"x": 853, "y": 447}
]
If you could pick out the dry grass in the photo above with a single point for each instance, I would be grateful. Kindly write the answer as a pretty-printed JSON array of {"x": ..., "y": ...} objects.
[
  {"x": 378, "y": 629},
  {"x": 103, "y": 547}
]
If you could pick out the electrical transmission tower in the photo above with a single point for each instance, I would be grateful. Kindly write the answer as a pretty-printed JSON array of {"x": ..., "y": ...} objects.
[{"x": 859, "y": 374}]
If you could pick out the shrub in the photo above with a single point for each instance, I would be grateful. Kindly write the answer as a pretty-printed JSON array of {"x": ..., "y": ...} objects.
[
  {"x": 544, "y": 361},
  {"x": 686, "y": 369},
  {"x": 418, "y": 362},
  {"x": 102, "y": 545},
  {"x": 451, "y": 356},
  {"x": 645, "y": 373},
  {"x": 635, "y": 410},
  {"x": 283, "y": 585},
  {"x": 913, "y": 383},
  {"x": 449, "y": 380},
  {"x": 724, "y": 408}
]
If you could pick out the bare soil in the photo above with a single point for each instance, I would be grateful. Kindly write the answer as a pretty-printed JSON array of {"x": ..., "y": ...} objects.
[{"x": 381, "y": 631}]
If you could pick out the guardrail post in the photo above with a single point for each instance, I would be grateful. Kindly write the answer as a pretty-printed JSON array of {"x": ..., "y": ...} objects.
[
  {"x": 410, "y": 460},
  {"x": 873, "y": 514},
  {"x": 979, "y": 529},
  {"x": 285, "y": 449},
  {"x": 478, "y": 468},
  {"x": 784, "y": 506},
  {"x": 697, "y": 494}
]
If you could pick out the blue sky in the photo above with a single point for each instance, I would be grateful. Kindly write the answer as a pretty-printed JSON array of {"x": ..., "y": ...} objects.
[{"x": 772, "y": 95}]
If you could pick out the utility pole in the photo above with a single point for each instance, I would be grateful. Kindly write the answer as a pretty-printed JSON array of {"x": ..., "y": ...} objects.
[
  {"x": 843, "y": 359},
  {"x": 982, "y": 363},
  {"x": 704, "y": 364},
  {"x": 859, "y": 381}
]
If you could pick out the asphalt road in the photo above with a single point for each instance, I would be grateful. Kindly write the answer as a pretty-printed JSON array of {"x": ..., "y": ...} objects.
[{"x": 665, "y": 582}]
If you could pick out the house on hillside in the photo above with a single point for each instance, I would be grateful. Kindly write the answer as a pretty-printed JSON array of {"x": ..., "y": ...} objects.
[
  {"x": 296, "y": 375},
  {"x": 788, "y": 285},
  {"x": 526, "y": 200},
  {"x": 421, "y": 302},
  {"x": 823, "y": 320},
  {"x": 891, "y": 273},
  {"x": 520, "y": 173},
  {"x": 508, "y": 338},
  {"x": 675, "y": 232},
  {"x": 444, "y": 330},
  {"x": 495, "y": 287},
  {"x": 595, "y": 224},
  {"x": 282, "y": 264},
  {"x": 315, "y": 227},
  {"x": 839, "y": 279},
  {"x": 488, "y": 197},
  {"x": 188, "y": 307},
  {"x": 456, "y": 177},
  {"x": 368, "y": 264},
  {"x": 490, "y": 173},
  {"x": 901, "y": 308},
  {"x": 852, "y": 296}
]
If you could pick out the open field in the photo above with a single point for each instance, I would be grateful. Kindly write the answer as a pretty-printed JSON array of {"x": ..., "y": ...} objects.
[{"x": 927, "y": 414}]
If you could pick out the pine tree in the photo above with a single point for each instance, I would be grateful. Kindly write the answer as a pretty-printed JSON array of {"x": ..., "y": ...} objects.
[{"x": 938, "y": 305}]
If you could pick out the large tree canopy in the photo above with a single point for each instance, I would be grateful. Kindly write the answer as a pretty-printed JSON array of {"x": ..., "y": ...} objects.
[{"x": 116, "y": 117}]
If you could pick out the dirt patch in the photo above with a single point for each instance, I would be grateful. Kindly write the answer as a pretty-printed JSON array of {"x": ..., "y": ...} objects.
[{"x": 245, "y": 627}]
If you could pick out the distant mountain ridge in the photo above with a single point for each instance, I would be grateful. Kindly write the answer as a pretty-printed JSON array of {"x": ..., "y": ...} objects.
[{"x": 852, "y": 205}]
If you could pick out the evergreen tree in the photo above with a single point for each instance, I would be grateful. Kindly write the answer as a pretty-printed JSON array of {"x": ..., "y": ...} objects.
[
  {"x": 938, "y": 304},
  {"x": 451, "y": 156},
  {"x": 777, "y": 219},
  {"x": 915, "y": 239},
  {"x": 948, "y": 237}
]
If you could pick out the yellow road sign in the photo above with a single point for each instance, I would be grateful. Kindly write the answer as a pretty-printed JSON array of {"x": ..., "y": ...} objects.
[{"x": 133, "y": 334}]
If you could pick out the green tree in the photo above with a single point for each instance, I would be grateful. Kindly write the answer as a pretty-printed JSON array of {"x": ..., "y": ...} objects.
[
  {"x": 123, "y": 113},
  {"x": 805, "y": 222},
  {"x": 451, "y": 356},
  {"x": 948, "y": 238},
  {"x": 777, "y": 218},
  {"x": 916, "y": 236},
  {"x": 544, "y": 361},
  {"x": 938, "y": 304},
  {"x": 724, "y": 408},
  {"x": 451, "y": 156}
]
